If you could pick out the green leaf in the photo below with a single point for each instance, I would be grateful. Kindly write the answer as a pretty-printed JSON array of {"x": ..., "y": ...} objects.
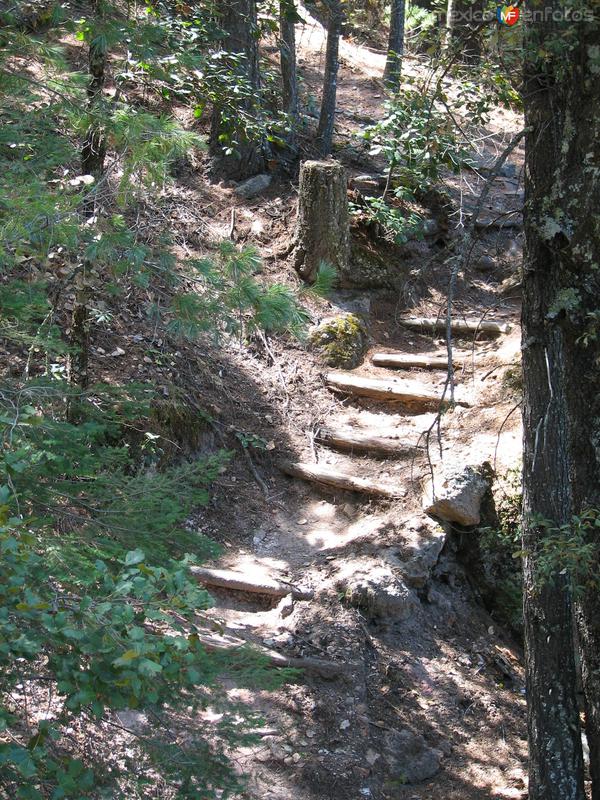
[
  {"x": 134, "y": 557},
  {"x": 148, "y": 668}
]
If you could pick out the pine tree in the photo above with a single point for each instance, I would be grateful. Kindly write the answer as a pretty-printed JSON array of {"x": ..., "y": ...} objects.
[
  {"x": 561, "y": 387},
  {"x": 393, "y": 65},
  {"x": 238, "y": 149},
  {"x": 328, "y": 100}
]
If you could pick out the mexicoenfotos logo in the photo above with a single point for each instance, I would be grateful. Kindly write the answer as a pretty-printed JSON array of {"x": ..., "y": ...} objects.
[{"x": 507, "y": 15}]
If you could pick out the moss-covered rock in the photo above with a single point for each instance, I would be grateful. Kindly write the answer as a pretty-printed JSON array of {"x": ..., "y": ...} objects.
[{"x": 342, "y": 341}]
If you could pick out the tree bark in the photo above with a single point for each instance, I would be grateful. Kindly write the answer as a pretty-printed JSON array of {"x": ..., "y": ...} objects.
[
  {"x": 464, "y": 26},
  {"x": 393, "y": 65},
  {"x": 328, "y": 100},
  {"x": 239, "y": 582},
  {"x": 287, "y": 55},
  {"x": 238, "y": 20},
  {"x": 93, "y": 155},
  {"x": 323, "y": 226},
  {"x": 457, "y": 326},
  {"x": 561, "y": 356},
  {"x": 401, "y": 361},
  {"x": 93, "y": 151}
]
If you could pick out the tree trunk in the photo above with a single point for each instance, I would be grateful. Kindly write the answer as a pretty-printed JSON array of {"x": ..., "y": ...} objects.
[
  {"x": 464, "y": 27},
  {"x": 393, "y": 65},
  {"x": 93, "y": 154},
  {"x": 561, "y": 357},
  {"x": 323, "y": 226},
  {"x": 289, "y": 77},
  {"x": 328, "y": 100},
  {"x": 93, "y": 151},
  {"x": 238, "y": 19}
]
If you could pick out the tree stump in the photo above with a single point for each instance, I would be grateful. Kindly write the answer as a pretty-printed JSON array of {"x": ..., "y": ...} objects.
[{"x": 323, "y": 227}]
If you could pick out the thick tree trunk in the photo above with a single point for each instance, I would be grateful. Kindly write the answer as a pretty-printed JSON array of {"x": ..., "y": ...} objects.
[
  {"x": 323, "y": 227},
  {"x": 328, "y": 100},
  {"x": 393, "y": 65},
  {"x": 289, "y": 77},
  {"x": 561, "y": 357},
  {"x": 464, "y": 27},
  {"x": 238, "y": 19}
]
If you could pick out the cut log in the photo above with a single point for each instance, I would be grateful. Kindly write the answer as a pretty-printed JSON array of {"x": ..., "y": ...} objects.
[
  {"x": 227, "y": 579},
  {"x": 400, "y": 361},
  {"x": 464, "y": 326},
  {"x": 349, "y": 439},
  {"x": 326, "y": 476},
  {"x": 410, "y": 393},
  {"x": 325, "y": 669}
]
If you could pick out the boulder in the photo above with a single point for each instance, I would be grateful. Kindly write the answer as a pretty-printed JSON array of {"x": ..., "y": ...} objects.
[
  {"x": 253, "y": 186},
  {"x": 370, "y": 185},
  {"x": 485, "y": 263},
  {"x": 342, "y": 340},
  {"x": 456, "y": 496},
  {"x": 380, "y": 594},
  {"x": 409, "y": 758}
]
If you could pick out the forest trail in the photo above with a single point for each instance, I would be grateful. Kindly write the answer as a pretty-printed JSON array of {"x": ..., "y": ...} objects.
[
  {"x": 422, "y": 696},
  {"x": 333, "y": 543}
]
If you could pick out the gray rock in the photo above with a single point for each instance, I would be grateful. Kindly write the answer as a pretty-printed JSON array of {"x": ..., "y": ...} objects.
[
  {"x": 430, "y": 227},
  {"x": 416, "y": 571},
  {"x": 485, "y": 264},
  {"x": 368, "y": 184},
  {"x": 342, "y": 340},
  {"x": 134, "y": 721},
  {"x": 508, "y": 170},
  {"x": 409, "y": 758},
  {"x": 351, "y": 302},
  {"x": 253, "y": 186},
  {"x": 457, "y": 497},
  {"x": 381, "y": 594}
]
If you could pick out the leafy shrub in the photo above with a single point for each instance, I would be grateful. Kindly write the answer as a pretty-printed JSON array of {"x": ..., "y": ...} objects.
[{"x": 98, "y": 611}]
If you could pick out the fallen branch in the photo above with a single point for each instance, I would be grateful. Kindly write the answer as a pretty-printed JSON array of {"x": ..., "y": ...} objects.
[
  {"x": 324, "y": 669},
  {"x": 227, "y": 579},
  {"x": 325, "y": 476}
]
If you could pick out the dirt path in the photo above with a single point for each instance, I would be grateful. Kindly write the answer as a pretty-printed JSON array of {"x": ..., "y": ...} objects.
[
  {"x": 424, "y": 661},
  {"x": 425, "y": 695}
]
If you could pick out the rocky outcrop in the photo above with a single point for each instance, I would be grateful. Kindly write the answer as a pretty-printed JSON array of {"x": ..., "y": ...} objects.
[
  {"x": 455, "y": 496},
  {"x": 379, "y": 593}
]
